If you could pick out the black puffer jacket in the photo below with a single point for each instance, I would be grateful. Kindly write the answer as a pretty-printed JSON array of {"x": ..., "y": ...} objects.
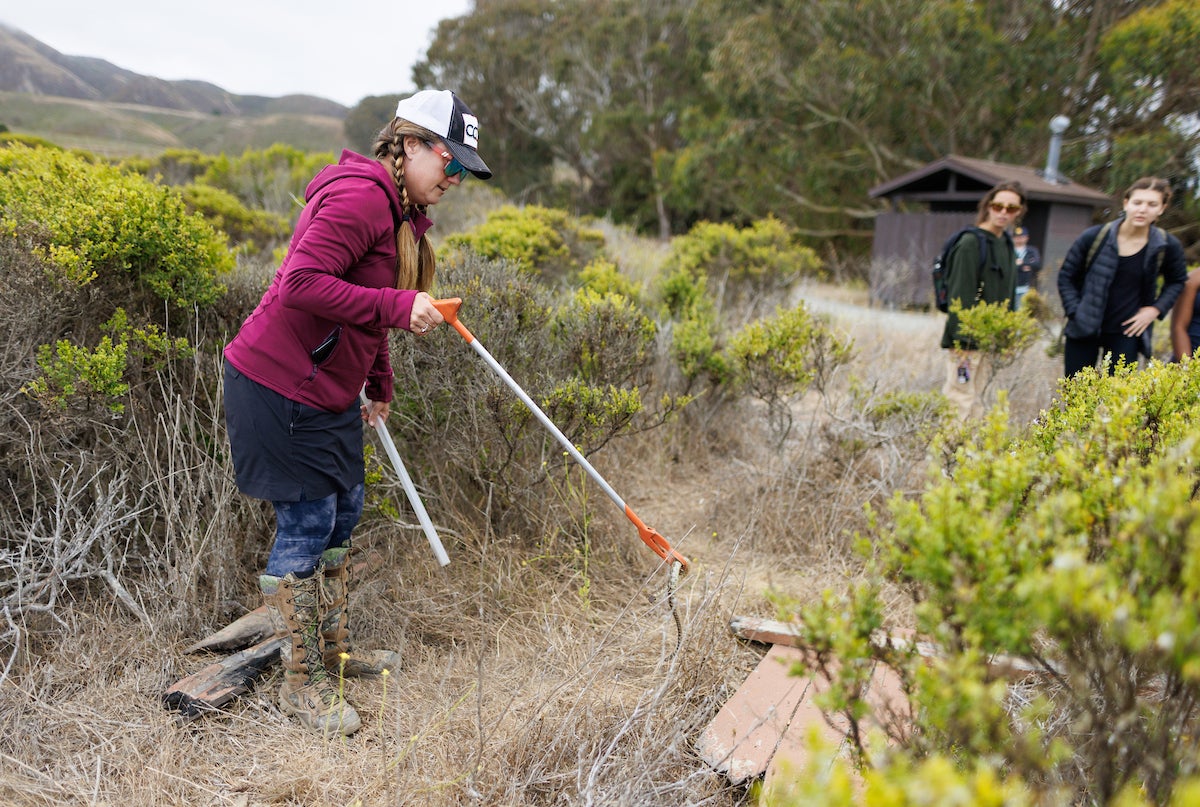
[{"x": 1084, "y": 290}]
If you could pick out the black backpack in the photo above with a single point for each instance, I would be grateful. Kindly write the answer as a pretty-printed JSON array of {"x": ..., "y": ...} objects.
[{"x": 940, "y": 292}]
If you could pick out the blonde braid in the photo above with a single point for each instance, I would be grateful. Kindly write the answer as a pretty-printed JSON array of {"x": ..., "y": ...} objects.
[{"x": 415, "y": 260}]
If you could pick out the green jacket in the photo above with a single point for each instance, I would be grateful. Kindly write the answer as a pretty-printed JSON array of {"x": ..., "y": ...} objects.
[{"x": 999, "y": 276}]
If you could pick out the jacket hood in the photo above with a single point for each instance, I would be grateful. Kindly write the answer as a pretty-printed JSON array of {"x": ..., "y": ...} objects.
[
  {"x": 356, "y": 165},
  {"x": 352, "y": 164}
]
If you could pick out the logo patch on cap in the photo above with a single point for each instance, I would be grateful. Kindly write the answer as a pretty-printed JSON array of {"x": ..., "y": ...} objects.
[{"x": 470, "y": 131}]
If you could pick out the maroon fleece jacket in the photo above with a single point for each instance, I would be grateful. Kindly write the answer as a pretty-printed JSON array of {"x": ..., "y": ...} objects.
[{"x": 320, "y": 330}]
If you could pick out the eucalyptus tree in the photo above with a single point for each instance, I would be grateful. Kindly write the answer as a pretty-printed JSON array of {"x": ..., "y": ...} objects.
[
  {"x": 586, "y": 100},
  {"x": 665, "y": 114}
]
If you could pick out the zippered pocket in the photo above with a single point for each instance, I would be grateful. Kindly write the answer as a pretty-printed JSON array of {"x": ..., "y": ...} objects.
[{"x": 321, "y": 353}]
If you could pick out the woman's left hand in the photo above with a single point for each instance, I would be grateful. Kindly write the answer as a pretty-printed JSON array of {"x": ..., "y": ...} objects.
[
  {"x": 1140, "y": 321},
  {"x": 375, "y": 412}
]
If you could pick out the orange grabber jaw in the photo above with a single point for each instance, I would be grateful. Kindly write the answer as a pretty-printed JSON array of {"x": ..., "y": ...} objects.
[
  {"x": 654, "y": 539},
  {"x": 448, "y": 308}
]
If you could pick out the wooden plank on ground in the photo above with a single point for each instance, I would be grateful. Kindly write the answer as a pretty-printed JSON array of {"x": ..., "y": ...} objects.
[
  {"x": 210, "y": 688},
  {"x": 886, "y": 697},
  {"x": 775, "y": 632},
  {"x": 751, "y": 727},
  {"x": 249, "y": 629}
]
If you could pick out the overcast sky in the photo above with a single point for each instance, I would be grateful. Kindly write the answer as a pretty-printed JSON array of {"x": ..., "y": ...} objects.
[{"x": 343, "y": 51}]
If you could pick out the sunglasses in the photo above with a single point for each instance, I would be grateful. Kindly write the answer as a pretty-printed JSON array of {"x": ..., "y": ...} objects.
[
  {"x": 453, "y": 167},
  {"x": 1000, "y": 208}
]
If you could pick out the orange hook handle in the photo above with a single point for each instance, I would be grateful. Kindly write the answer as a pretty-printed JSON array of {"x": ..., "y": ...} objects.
[{"x": 448, "y": 308}]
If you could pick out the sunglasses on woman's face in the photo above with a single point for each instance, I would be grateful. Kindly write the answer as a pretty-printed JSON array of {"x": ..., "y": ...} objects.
[
  {"x": 997, "y": 207},
  {"x": 453, "y": 166}
]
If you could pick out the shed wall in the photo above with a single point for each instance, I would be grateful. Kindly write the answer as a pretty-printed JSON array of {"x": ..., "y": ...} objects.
[{"x": 903, "y": 252}]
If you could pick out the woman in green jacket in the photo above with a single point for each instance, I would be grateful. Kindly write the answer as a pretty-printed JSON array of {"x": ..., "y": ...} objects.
[{"x": 970, "y": 281}]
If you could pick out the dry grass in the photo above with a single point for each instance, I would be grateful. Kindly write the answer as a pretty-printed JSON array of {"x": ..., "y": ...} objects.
[
  {"x": 511, "y": 692},
  {"x": 529, "y": 677}
]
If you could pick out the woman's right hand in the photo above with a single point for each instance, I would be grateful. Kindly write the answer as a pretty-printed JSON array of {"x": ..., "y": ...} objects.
[{"x": 424, "y": 316}]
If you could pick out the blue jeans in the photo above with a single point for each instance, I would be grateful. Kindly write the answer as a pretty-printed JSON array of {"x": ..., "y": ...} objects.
[
  {"x": 305, "y": 529},
  {"x": 1018, "y": 296}
]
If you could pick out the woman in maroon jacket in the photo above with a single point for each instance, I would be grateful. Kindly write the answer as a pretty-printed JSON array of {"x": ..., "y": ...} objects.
[{"x": 359, "y": 264}]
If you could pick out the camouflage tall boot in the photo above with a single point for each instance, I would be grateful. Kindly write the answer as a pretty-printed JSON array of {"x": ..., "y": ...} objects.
[
  {"x": 340, "y": 657},
  {"x": 306, "y": 692}
]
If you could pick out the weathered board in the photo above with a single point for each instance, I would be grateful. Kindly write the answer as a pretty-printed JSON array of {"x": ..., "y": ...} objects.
[
  {"x": 762, "y": 730},
  {"x": 215, "y": 685},
  {"x": 751, "y": 727},
  {"x": 249, "y": 629},
  {"x": 774, "y": 632}
]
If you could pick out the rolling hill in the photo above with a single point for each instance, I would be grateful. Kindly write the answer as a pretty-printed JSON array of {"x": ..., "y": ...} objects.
[{"x": 88, "y": 103}]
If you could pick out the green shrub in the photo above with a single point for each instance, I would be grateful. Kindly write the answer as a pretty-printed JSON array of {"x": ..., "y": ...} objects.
[
  {"x": 682, "y": 292},
  {"x": 695, "y": 350},
  {"x": 695, "y": 334},
  {"x": 746, "y": 267},
  {"x": 582, "y": 360},
  {"x": 996, "y": 330},
  {"x": 33, "y": 141},
  {"x": 172, "y": 167},
  {"x": 101, "y": 376},
  {"x": 541, "y": 240},
  {"x": 1074, "y": 543},
  {"x": 271, "y": 179},
  {"x": 603, "y": 277},
  {"x": 70, "y": 372},
  {"x": 592, "y": 415},
  {"x": 777, "y": 359},
  {"x": 604, "y": 336},
  {"x": 899, "y": 782},
  {"x": 94, "y": 222},
  {"x": 251, "y": 230}
]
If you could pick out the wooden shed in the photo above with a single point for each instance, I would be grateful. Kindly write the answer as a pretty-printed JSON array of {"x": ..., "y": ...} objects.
[{"x": 928, "y": 204}]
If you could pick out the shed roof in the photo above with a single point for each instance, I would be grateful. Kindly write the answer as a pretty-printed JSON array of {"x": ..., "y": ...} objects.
[{"x": 940, "y": 181}]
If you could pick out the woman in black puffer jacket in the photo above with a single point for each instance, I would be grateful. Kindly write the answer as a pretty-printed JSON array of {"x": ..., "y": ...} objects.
[{"x": 1110, "y": 294}]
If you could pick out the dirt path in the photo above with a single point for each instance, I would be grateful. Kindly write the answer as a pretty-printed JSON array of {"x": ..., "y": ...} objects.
[
  {"x": 850, "y": 308},
  {"x": 711, "y": 504},
  {"x": 689, "y": 501}
]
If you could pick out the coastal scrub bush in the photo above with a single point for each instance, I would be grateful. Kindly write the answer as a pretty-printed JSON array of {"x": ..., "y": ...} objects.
[
  {"x": 604, "y": 336},
  {"x": 115, "y": 247},
  {"x": 583, "y": 359},
  {"x": 271, "y": 179},
  {"x": 604, "y": 277},
  {"x": 101, "y": 376},
  {"x": 249, "y": 229},
  {"x": 171, "y": 167},
  {"x": 996, "y": 330},
  {"x": 747, "y": 268},
  {"x": 1071, "y": 543},
  {"x": 545, "y": 241},
  {"x": 778, "y": 358},
  {"x": 96, "y": 223}
]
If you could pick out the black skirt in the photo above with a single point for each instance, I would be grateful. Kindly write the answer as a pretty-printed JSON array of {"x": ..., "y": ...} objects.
[{"x": 284, "y": 451}]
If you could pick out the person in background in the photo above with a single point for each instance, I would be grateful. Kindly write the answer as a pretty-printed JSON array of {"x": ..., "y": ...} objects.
[
  {"x": 1185, "y": 319},
  {"x": 1029, "y": 263},
  {"x": 1113, "y": 301},
  {"x": 359, "y": 264},
  {"x": 971, "y": 282}
]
